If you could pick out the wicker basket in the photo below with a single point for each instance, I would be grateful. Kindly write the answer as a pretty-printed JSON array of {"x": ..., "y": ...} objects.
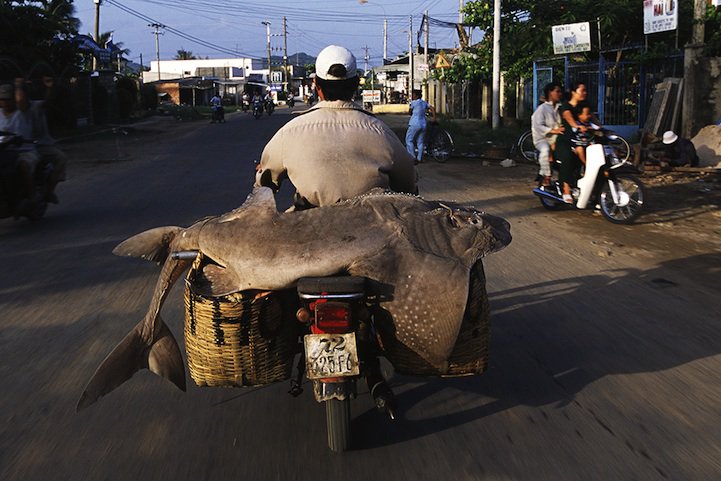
[
  {"x": 242, "y": 339},
  {"x": 470, "y": 354}
]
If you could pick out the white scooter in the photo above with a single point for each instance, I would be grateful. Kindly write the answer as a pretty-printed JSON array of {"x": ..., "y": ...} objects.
[{"x": 608, "y": 183}]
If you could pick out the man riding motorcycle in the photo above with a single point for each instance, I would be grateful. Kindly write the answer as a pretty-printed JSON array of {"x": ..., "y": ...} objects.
[
  {"x": 26, "y": 118},
  {"x": 335, "y": 151}
]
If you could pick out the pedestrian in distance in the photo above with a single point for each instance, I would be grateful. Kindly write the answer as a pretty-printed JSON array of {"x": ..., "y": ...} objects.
[{"x": 417, "y": 125}]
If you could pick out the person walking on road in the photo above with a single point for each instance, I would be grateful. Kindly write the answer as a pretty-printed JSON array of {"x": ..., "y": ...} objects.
[{"x": 417, "y": 125}]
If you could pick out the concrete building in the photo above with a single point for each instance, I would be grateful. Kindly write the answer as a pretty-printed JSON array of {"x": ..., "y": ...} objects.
[{"x": 220, "y": 69}]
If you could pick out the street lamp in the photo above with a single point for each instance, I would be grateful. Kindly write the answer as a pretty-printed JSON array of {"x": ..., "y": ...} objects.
[
  {"x": 385, "y": 28},
  {"x": 267, "y": 29}
]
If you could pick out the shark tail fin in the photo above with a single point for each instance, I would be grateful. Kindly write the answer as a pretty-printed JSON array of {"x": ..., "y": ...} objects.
[
  {"x": 152, "y": 244},
  {"x": 162, "y": 356}
]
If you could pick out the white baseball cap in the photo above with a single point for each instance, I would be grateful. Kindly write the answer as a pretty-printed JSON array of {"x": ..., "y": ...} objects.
[
  {"x": 669, "y": 137},
  {"x": 332, "y": 55}
]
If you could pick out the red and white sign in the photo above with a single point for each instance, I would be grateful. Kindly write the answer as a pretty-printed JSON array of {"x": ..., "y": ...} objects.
[
  {"x": 372, "y": 96},
  {"x": 659, "y": 15}
]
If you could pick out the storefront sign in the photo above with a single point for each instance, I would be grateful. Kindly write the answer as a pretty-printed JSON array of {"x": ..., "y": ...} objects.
[
  {"x": 372, "y": 96},
  {"x": 659, "y": 15},
  {"x": 572, "y": 37}
]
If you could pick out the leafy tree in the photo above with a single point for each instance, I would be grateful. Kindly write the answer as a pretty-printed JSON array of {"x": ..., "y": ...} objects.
[
  {"x": 184, "y": 55},
  {"x": 526, "y": 31},
  {"x": 37, "y": 32},
  {"x": 118, "y": 49}
]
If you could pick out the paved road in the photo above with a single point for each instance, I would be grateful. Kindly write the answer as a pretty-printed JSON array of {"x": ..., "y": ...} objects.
[{"x": 605, "y": 354}]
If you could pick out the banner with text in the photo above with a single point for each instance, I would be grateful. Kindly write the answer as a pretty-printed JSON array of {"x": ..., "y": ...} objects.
[
  {"x": 572, "y": 37},
  {"x": 659, "y": 15}
]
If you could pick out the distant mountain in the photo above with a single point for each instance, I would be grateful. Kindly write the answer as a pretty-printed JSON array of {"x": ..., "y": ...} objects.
[{"x": 300, "y": 58}]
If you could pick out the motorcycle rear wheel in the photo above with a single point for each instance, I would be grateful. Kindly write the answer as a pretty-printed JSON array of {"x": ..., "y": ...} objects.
[
  {"x": 337, "y": 415},
  {"x": 632, "y": 191}
]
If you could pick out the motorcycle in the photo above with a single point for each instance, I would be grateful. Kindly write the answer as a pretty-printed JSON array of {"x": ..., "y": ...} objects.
[
  {"x": 218, "y": 115},
  {"x": 15, "y": 201},
  {"x": 257, "y": 109},
  {"x": 245, "y": 104},
  {"x": 608, "y": 182},
  {"x": 339, "y": 347},
  {"x": 290, "y": 101},
  {"x": 269, "y": 106}
]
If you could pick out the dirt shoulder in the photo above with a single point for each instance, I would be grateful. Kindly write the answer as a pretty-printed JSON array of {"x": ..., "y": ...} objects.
[{"x": 682, "y": 208}]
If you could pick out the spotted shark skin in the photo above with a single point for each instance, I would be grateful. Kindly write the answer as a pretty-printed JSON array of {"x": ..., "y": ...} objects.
[{"x": 419, "y": 251}]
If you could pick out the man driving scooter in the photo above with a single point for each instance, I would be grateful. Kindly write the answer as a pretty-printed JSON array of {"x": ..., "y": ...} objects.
[{"x": 335, "y": 151}]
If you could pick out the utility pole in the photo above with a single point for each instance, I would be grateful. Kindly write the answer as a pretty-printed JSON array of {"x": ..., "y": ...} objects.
[
  {"x": 385, "y": 41},
  {"x": 286, "y": 73},
  {"x": 267, "y": 31},
  {"x": 410, "y": 56},
  {"x": 425, "y": 55},
  {"x": 365, "y": 58},
  {"x": 97, "y": 31},
  {"x": 157, "y": 27},
  {"x": 691, "y": 68},
  {"x": 496, "y": 102}
]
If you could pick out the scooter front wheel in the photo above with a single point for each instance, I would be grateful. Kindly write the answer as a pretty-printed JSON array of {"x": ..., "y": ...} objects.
[
  {"x": 625, "y": 204},
  {"x": 337, "y": 415}
]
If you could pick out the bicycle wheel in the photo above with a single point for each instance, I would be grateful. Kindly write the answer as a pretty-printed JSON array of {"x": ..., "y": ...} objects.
[
  {"x": 528, "y": 150},
  {"x": 441, "y": 146}
]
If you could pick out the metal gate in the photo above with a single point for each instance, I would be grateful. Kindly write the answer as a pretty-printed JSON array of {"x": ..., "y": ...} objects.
[{"x": 620, "y": 91}]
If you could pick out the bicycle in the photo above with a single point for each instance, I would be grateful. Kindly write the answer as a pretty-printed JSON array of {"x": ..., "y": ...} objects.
[
  {"x": 439, "y": 143},
  {"x": 525, "y": 148}
]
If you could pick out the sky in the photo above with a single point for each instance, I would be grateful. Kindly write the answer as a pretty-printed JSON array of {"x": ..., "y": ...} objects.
[{"x": 230, "y": 28}]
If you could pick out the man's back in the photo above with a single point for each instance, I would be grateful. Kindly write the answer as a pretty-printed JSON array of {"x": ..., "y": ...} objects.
[{"x": 336, "y": 151}]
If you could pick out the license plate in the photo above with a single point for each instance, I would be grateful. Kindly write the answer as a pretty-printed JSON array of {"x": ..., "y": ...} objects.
[{"x": 331, "y": 355}]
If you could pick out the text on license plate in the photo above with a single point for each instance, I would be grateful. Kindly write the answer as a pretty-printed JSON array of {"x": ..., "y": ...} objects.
[{"x": 331, "y": 355}]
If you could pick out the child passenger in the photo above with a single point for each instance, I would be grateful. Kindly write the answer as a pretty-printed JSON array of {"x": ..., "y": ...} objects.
[{"x": 580, "y": 140}]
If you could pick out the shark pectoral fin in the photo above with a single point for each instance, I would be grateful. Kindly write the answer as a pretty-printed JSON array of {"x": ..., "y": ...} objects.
[
  {"x": 219, "y": 281},
  {"x": 129, "y": 356},
  {"x": 152, "y": 244},
  {"x": 165, "y": 360}
]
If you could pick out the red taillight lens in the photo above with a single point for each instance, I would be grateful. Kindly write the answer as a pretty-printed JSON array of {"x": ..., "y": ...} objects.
[{"x": 333, "y": 317}]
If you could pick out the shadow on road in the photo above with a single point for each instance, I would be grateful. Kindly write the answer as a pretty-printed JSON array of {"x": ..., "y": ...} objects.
[{"x": 551, "y": 340}]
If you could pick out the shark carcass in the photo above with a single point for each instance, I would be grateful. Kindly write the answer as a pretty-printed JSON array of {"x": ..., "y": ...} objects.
[{"x": 421, "y": 253}]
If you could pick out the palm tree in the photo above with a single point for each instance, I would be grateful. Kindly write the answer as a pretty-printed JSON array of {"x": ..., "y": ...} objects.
[
  {"x": 105, "y": 41},
  {"x": 184, "y": 55}
]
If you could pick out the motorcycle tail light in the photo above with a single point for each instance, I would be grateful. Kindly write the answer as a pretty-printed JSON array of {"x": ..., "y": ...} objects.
[{"x": 333, "y": 317}]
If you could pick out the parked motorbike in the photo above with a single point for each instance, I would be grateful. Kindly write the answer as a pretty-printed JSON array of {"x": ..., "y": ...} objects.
[
  {"x": 608, "y": 182},
  {"x": 15, "y": 201},
  {"x": 257, "y": 110},
  {"x": 339, "y": 348}
]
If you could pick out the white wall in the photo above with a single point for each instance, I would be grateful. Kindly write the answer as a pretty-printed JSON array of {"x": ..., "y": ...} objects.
[{"x": 171, "y": 69}]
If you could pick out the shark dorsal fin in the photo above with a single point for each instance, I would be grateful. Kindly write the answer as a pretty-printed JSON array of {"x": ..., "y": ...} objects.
[{"x": 261, "y": 202}]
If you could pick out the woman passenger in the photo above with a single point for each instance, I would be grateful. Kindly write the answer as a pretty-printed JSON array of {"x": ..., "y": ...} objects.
[{"x": 570, "y": 163}]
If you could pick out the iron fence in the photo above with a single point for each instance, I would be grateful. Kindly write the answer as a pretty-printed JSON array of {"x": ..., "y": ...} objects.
[{"x": 621, "y": 91}]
